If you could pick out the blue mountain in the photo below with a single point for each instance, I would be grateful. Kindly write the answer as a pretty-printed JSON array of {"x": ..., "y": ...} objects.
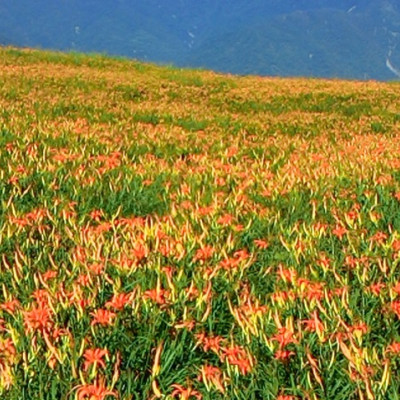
[{"x": 342, "y": 38}]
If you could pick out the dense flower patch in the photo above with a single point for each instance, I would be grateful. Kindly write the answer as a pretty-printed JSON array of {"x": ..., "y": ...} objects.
[{"x": 181, "y": 234}]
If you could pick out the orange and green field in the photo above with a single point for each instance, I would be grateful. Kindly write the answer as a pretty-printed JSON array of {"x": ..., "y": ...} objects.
[{"x": 179, "y": 234}]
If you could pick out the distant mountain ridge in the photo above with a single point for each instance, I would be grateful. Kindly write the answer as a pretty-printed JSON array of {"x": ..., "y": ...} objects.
[{"x": 345, "y": 38}]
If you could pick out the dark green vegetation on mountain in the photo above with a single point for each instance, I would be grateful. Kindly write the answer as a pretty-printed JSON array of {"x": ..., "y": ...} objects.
[{"x": 348, "y": 39}]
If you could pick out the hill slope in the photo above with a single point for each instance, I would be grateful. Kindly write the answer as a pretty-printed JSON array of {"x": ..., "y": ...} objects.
[
  {"x": 276, "y": 37},
  {"x": 171, "y": 233}
]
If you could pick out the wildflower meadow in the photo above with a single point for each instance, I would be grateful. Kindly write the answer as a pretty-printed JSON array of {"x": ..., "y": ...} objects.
[{"x": 183, "y": 234}]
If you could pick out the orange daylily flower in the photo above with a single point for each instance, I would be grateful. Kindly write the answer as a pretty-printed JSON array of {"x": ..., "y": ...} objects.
[
  {"x": 260, "y": 243},
  {"x": 102, "y": 317},
  {"x": 157, "y": 295},
  {"x": 209, "y": 342},
  {"x": 339, "y": 231},
  {"x": 396, "y": 245},
  {"x": 313, "y": 324},
  {"x": 393, "y": 348},
  {"x": 10, "y": 306},
  {"x": 284, "y": 337},
  {"x": 94, "y": 356},
  {"x": 140, "y": 252},
  {"x": 376, "y": 288},
  {"x": 212, "y": 375},
  {"x": 96, "y": 214},
  {"x": 204, "y": 253},
  {"x": 185, "y": 393},
  {"x": 283, "y": 354},
  {"x": 95, "y": 391},
  {"x": 244, "y": 364},
  {"x": 379, "y": 237},
  {"x": 119, "y": 301},
  {"x": 37, "y": 319},
  {"x": 225, "y": 219}
]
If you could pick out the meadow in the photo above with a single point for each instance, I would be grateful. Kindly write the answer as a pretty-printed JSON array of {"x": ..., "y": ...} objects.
[{"x": 182, "y": 234}]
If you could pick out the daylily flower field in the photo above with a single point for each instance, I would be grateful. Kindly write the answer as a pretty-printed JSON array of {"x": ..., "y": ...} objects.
[{"x": 180, "y": 234}]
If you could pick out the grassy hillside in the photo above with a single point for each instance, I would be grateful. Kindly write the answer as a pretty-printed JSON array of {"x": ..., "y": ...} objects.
[{"x": 182, "y": 234}]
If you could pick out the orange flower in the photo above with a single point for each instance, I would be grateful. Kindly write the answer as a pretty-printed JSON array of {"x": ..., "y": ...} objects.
[
  {"x": 50, "y": 274},
  {"x": 102, "y": 317},
  {"x": 186, "y": 205},
  {"x": 260, "y": 243},
  {"x": 244, "y": 364},
  {"x": 267, "y": 193},
  {"x": 205, "y": 210},
  {"x": 157, "y": 295},
  {"x": 94, "y": 356},
  {"x": 376, "y": 288},
  {"x": 209, "y": 342},
  {"x": 83, "y": 280},
  {"x": 324, "y": 261},
  {"x": 213, "y": 375},
  {"x": 13, "y": 180},
  {"x": 10, "y": 306},
  {"x": 96, "y": 391},
  {"x": 37, "y": 319},
  {"x": 7, "y": 349},
  {"x": 204, "y": 253},
  {"x": 313, "y": 291},
  {"x": 96, "y": 214},
  {"x": 378, "y": 237},
  {"x": 185, "y": 393},
  {"x": 395, "y": 306},
  {"x": 361, "y": 327},
  {"x": 103, "y": 227},
  {"x": 233, "y": 352},
  {"x": 41, "y": 296},
  {"x": 396, "y": 245},
  {"x": 393, "y": 348},
  {"x": 232, "y": 151},
  {"x": 396, "y": 288},
  {"x": 96, "y": 268},
  {"x": 314, "y": 324},
  {"x": 284, "y": 337},
  {"x": 140, "y": 252},
  {"x": 225, "y": 219},
  {"x": 283, "y": 355},
  {"x": 118, "y": 301},
  {"x": 188, "y": 324},
  {"x": 236, "y": 355},
  {"x": 283, "y": 296},
  {"x": 350, "y": 261},
  {"x": 352, "y": 215},
  {"x": 79, "y": 254},
  {"x": 288, "y": 275},
  {"x": 230, "y": 263},
  {"x": 21, "y": 222},
  {"x": 339, "y": 231},
  {"x": 241, "y": 255},
  {"x": 238, "y": 227}
]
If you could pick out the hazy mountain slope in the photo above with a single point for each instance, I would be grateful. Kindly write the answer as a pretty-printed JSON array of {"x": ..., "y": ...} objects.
[
  {"x": 289, "y": 37},
  {"x": 318, "y": 43}
]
